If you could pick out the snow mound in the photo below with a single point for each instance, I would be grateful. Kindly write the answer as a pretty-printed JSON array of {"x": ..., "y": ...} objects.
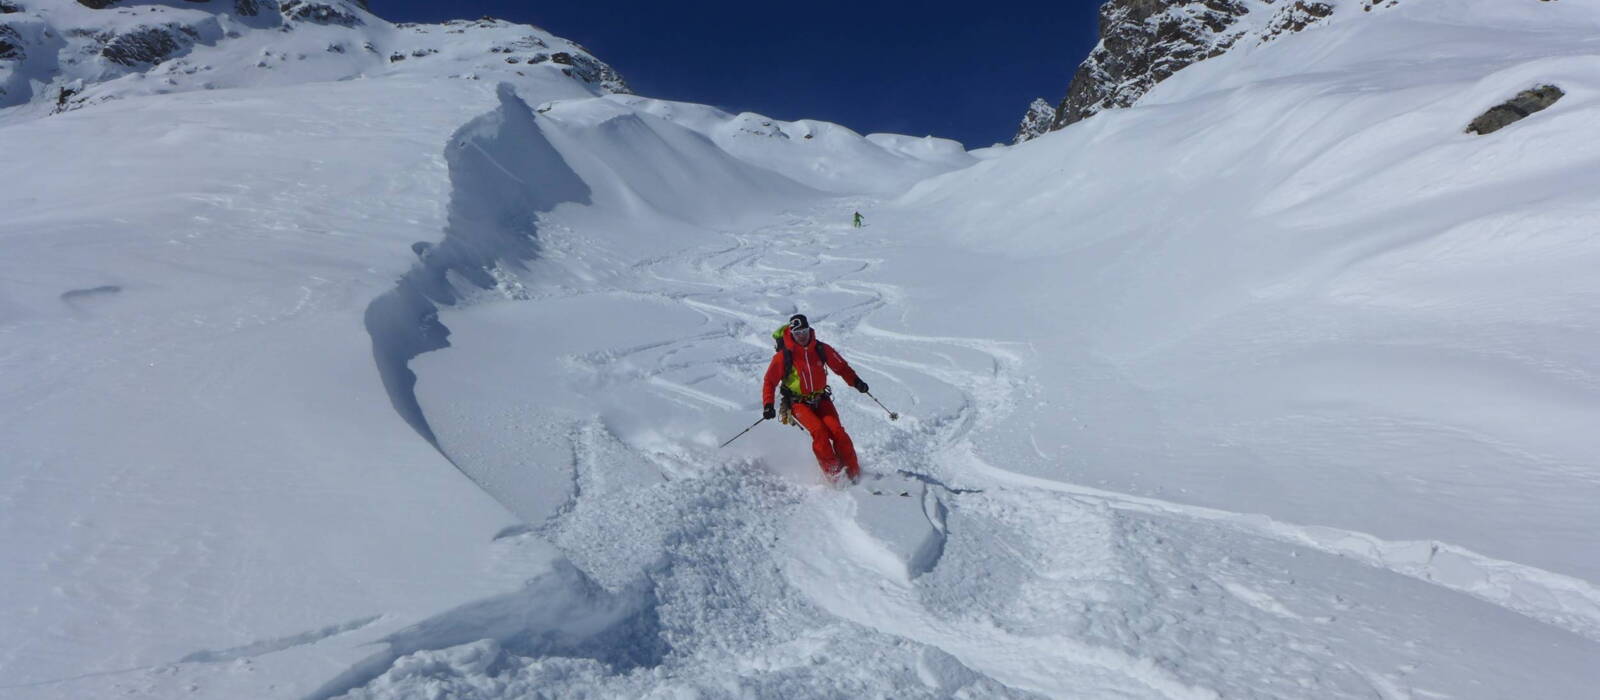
[
  {"x": 820, "y": 155},
  {"x": 645, "y": 166},
  {"x": 906, "y": 519}
]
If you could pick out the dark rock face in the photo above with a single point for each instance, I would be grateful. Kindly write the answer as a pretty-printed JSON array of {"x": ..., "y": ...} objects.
[
  {"x": 10, "y": 45},
  {"x": 1296, "y": 17},
  {"x": 97, "y": 4},
  {"x": 1143, "y": 42},
  {"x": 147, "y": 45},
  {"x": 7, "y": 8},
  {"x": 1036, "y": 122},
  {"x": 587, "y": 69},
  {"x": 319, "y": 13},
  {"x": 246, "y": 8},
  {"x": 1516, "y": 109}
]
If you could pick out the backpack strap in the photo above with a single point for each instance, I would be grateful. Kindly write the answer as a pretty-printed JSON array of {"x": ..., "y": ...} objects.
[
  {"x": 788, "y": 357},
  {"x": 788, "y": 366}
]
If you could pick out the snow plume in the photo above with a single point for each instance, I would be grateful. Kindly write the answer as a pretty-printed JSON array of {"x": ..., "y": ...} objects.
[{"x": 503, "y": 174}]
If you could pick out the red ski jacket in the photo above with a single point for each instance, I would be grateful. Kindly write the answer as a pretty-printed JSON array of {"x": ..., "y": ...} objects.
[{"x": 806, "y": 367}]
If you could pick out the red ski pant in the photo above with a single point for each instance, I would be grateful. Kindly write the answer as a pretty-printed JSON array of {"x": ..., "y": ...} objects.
[{"x": 828, "y": 439}]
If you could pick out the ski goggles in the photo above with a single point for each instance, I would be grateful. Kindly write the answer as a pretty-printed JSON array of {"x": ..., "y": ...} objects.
[{"x": 801, "y": 335}]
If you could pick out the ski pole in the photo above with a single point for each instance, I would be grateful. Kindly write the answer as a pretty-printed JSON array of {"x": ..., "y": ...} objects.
[
  {"x": 741, "y": 433},
  {"x": 892, "y": 414}
]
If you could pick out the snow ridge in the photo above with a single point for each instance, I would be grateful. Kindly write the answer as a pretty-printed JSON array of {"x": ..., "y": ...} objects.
[{"x": 503, "y": 174}]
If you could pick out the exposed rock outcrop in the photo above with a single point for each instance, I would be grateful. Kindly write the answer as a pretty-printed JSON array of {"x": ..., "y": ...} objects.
[
  {"x": 148, "y": 45},
  {"x": 10, "y": 45},
  {"x": 319, "y": 13},
  {"x": 1516, "y": 109},
  {"x": 1143, "y": 42},
  {"x": 1295, "y": 17},
  {"x": 1036, "y": 122},
  {"x": 587, "y": 69}
]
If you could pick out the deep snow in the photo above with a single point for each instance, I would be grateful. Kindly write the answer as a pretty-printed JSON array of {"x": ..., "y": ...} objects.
[{"x": 1272, "y": 386}]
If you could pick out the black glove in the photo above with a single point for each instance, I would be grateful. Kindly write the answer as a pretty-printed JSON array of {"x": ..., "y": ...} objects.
[
  {"x": 861, "y": 385},
  {"x": 768, "y": 412}
]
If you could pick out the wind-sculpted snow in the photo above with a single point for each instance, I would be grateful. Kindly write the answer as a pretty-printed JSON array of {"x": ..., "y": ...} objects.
[
  {"x": 820, "y": 155},
  {"x": 201, "y": 462},
  {"x": 503, "y": 174},
  {"x": 1334, "y": 306},
  {"x": 646, "y": 167},
  {"x": 656, "y": 177}
]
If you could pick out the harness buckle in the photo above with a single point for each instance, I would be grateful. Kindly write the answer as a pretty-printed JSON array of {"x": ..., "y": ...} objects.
[{"x": 816, "y": 397}]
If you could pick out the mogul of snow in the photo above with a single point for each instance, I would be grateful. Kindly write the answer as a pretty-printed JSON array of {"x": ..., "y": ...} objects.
[{"x": 799, "y": 370}]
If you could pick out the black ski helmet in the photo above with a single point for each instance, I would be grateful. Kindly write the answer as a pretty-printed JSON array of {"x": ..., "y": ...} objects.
[{"x": 798, "y": 321}]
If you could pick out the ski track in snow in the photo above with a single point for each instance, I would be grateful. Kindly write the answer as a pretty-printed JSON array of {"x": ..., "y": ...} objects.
[{"x": 1079, "y": 592}]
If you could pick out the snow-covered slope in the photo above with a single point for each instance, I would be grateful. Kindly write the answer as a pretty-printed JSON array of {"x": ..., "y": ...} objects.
[
  {"x": 1331, "y": 303},
  {"x": 821, "y": 155},
  {"x": 1274, "y": 385}
]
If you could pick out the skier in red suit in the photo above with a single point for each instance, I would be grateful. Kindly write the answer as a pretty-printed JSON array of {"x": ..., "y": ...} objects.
[{"x": 800, "y": 370}]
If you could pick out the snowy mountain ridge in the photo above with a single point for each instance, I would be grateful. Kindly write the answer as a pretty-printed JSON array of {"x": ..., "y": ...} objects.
[
  {"x": 62, "y": 55},
  {"x": 58, "y": 55}
]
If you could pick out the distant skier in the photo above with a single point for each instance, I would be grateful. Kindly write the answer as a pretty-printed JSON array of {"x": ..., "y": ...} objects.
[
  {"x": 858, "y": 220},
  {"x": 800, "y": 370}
]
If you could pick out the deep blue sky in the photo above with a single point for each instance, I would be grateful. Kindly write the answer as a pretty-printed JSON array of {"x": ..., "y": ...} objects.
[{"x": 965, "y": 72}]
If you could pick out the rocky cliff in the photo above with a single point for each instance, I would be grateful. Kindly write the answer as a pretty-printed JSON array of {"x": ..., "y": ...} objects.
[
  {"x": 1040, "y": 117},
  {"x": 1143, "y": 42}
]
